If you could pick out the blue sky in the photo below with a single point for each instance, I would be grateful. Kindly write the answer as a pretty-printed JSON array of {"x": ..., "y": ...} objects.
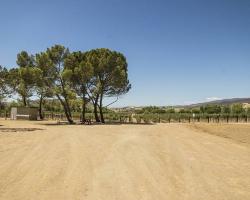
[{"x": 178, "y": 52}]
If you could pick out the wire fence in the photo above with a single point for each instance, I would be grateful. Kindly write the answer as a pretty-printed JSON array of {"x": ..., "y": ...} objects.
[
  {"x": 159, "y": 118},
  {"x": 150, "y": 118}
]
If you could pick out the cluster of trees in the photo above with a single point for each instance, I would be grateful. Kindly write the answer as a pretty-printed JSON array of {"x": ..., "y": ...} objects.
[
  {"x": 207, "y": 109},
  {"x": 58, "y": 73},
  {"x": 236, "y": 108},
  {"x": 226, "y": 109},
  {"x": 151, "y": 109},
  {"x": 207, "y": 113}
]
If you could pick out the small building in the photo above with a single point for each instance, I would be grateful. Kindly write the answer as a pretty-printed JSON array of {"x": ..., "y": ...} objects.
[{"x": 27, "y": 113}]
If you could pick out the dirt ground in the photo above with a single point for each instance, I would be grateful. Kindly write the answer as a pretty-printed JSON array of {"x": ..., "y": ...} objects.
[{"x": 122, "y": 162}]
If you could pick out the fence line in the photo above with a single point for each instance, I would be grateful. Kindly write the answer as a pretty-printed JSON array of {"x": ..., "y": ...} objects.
[{"x": 151, "y": 118}]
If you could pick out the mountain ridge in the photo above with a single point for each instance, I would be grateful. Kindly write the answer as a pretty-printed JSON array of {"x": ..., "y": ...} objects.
[{"x": 219, "y": 102}]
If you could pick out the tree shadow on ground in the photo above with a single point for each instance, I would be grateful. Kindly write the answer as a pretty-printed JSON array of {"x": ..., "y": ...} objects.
[
  {"x": 62, "y": 123},
  {"x": 19, "y": 129}
]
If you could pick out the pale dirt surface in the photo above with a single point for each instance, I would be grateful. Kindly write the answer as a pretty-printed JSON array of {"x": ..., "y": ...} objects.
[{"x": 120, "y": 162}]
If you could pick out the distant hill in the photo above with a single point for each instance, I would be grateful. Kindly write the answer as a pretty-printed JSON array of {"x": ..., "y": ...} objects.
[
  {"x": 216, "y": 102},
  {"x": 219, "y": 102}
]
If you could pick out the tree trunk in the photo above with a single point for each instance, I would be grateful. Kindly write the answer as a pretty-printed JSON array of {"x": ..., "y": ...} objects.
[
  {"x": 66, "y": 110},
  {"x": 40, "y": 107},
  {"x": 67, "y": 106},
  {"x": 65, "y": 103},
  {"x": 68, "y": 114},
  {"x": 95, "y": 108},
  {"x": 24, "y": 101},
  {"x": 83, "y": 108},
  {"x": 100, "y": 108}
]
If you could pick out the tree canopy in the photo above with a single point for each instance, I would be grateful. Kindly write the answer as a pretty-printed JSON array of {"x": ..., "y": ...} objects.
[
  {"x": 56, "y": 72},
  {"x": 4, "y": 80},
  {"x": 110, "y": 76}
]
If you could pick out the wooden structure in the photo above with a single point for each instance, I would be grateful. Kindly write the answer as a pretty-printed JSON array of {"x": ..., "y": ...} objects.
[{"x": 26, "y": 113}]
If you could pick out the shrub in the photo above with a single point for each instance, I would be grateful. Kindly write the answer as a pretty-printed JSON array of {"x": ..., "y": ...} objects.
[
  {"x": 237, "y": 108},
  {"x": 138, "y": 119},
  {"x": 130, "y": 119},
  {"x": 146, "y": 118}
]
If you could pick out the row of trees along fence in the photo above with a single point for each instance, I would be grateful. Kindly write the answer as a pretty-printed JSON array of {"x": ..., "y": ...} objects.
[
  {"x": 151, "y": 118},
  {"x": 61, "y": 116},
  {"x": 157, "y": 118},
  {"x": 109, "y": 117},
  {"x": 188, "y": 118}
]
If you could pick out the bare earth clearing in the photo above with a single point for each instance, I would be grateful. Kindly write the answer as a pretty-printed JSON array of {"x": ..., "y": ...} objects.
[{"x": 127, "y": 162}]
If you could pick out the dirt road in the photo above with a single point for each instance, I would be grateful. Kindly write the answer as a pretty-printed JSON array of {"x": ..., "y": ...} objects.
[{"x": 120, "y": 162}]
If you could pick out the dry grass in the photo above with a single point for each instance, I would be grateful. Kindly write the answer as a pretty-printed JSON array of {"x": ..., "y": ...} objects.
[{"x": 239, "y": 133}]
